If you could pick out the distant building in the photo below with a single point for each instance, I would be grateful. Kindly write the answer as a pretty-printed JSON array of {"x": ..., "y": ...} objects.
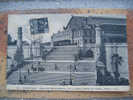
[{"x": 81, "y": 31}]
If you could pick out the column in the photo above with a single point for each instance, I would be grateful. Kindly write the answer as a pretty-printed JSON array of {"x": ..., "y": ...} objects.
[
  {"x": 19, "y": 41},
  {"x": 98, "y": 40},
  {"x": 52, "y": 43},
  {"x": 31, "y": 51}
]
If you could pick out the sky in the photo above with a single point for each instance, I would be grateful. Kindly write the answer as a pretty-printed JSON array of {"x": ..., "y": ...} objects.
[{"x": 56, "y": 22}]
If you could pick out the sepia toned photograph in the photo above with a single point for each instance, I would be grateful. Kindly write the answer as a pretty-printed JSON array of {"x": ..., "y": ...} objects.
[{"x": 67, "y": 51}]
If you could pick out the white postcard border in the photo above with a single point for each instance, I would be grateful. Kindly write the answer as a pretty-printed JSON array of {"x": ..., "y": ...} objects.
[{"x": 68, "y": 88}]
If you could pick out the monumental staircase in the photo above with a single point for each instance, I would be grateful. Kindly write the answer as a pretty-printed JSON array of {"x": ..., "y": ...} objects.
[
  {"x": 58, "y": 72},
  {"x": 63, "y": 53}
]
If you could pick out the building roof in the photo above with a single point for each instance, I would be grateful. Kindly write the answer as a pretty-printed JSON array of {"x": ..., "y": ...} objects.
[
  {"x": 95, "y": 20},
  {"x": 114, "y": 28}
]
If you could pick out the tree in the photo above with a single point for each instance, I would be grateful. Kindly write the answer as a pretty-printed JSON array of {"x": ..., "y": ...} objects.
[
  {"x": 116, "y": 62},
  {"x": 9, "y": 39}
]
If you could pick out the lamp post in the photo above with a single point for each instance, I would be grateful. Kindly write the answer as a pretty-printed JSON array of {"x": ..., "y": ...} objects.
[
  {"x": 20, "y": 77},
  {"x": 70, "y": 75}
]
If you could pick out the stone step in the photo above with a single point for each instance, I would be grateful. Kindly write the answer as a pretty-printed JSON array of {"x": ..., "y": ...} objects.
[
  {"x": 58, "y": 78},
  {"x": 63, "y": 53},
  {"x": 60, "y": 58},
  {"x": 86, "y": 77},
  {"x": 67, "y": 51},
  {"x": 65, "y": 66}
]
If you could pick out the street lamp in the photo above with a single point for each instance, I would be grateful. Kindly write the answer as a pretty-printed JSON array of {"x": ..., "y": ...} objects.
[
  {"x": 70, "y": 75},
  {"x": 20, "y": 77}
]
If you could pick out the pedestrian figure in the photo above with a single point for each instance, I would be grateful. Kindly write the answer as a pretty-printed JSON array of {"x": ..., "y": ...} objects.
[
  {"x": 100, "y": 78},
  {"x": 28, "y": 71},
  {"x": 12, "y": 66},
  {"x": 32, "y": 67},
  {"x": 75, "y": 68},
  {"x": 56, "y": 67},
  {"x": 20, "y": 81},
  {"x": 63, "y": 82},
  {"x": 39, "y": 63},
  {"x": 24, "y": 77}
]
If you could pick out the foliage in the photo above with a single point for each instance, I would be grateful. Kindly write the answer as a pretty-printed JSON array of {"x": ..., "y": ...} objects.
[
  {"x": 19, "y": 57},
  {"x": 116, "y": 62},
  {"x": 10, "y": 42}
]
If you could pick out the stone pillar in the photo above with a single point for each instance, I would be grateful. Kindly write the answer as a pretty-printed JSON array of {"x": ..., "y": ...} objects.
[
  {"x": 19, "y": 41},
  {"x": 31, "y": 50},
  {"x": 19, "y": 57},
  {"x": 81, "y": 42},
  {"x": 98, "y": 40},
  {"x": 19, "y": 52}
]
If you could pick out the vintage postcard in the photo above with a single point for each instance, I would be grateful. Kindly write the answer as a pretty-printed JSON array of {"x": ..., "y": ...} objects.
[{"x": 69, "y": 52}]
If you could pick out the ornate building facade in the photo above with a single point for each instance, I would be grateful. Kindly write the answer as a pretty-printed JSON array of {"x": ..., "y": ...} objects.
[{"x": 104, "y": 36}]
